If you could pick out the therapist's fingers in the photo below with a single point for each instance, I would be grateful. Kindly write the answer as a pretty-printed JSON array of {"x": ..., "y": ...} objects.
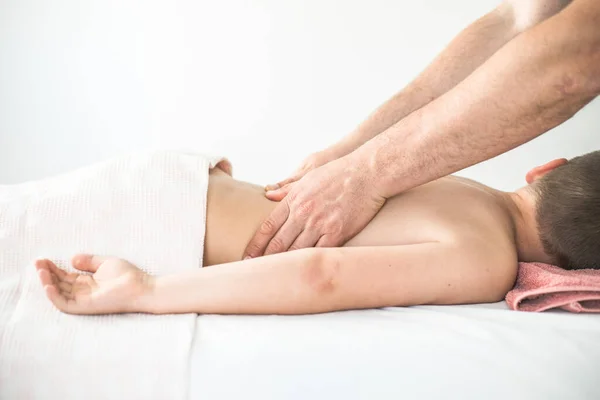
[
  {"x": 313, "y": 161},
  {"x": 327, "y": 241},
  {"x": 307, "y": 165},
  {"x": 308, "y": 238},
  {"x": 279, "y": 194},
  {"x": 281, "y": 184},
  {"x": 284, "y": 238},
  {"x": 267, "y": 230}
]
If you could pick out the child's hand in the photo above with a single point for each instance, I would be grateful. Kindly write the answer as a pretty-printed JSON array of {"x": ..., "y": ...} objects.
[{"x": 116, "y": 285}]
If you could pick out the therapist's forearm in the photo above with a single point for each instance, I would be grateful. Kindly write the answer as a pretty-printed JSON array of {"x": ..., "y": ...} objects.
[
  {"x": 462, "y": 56},
  {"x": 537, "y": 81}
]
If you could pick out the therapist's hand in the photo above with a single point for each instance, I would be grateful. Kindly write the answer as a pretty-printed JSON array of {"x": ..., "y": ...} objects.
[
  {"x": 325, "y": 208},
  {"x": 311, "y": 162}
]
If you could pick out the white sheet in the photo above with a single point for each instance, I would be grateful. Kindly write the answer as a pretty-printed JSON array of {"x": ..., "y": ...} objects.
[
  {"x": 148, "y": 208},
  {"x": 444, "y": 352}
]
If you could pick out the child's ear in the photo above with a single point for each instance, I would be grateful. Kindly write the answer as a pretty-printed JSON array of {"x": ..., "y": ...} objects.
[{"x": 542, "y": 170}]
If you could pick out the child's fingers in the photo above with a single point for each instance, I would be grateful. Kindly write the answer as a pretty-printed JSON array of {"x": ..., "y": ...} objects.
[
  {"x": 56, "y": 273},
  {"x": 48, "y": 279},
  {"x": 42, "y": 264},
  {"x": 65, "y": 287},
  {"x": 45, "y": 277},
  {"x": 67, "y": 296},
  {"x": 58, "y": 291},
  {"x": 57, "y": 298},
  {"x": 62, "y": 274},
  {"x": 88, "y": 262}
]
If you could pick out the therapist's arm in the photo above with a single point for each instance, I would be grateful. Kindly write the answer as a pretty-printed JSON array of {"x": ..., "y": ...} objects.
[
  {"x": 537, "y": 81},
  {"x": 465, "y": 53}
]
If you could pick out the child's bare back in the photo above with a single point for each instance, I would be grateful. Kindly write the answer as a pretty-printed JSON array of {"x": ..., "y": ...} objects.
[{"x": 450, "y": 209}]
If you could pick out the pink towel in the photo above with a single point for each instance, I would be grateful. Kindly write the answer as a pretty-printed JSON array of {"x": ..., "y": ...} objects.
[{"x": 541, "y": 287}]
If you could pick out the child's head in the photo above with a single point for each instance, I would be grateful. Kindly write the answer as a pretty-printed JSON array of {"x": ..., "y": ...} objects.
[{"x": 568, "y": 210}]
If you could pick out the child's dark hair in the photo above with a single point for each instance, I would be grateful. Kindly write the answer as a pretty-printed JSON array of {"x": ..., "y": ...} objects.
[{"x": 568, "y": 212}]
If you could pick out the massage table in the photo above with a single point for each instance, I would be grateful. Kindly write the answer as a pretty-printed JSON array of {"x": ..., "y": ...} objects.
[{"x": 481, "y": 351}]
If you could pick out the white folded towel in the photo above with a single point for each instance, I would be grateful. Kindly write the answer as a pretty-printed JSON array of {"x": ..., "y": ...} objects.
[{"x": 149, "y": 208}]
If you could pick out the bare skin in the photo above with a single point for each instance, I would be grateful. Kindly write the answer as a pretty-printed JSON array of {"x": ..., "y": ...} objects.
[
  {"x": 425, "y": 214},
  {"x": 511, "y": 76},
  {"x": 451, "y": 241}
]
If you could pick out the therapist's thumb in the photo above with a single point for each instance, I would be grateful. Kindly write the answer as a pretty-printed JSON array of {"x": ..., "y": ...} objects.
[
  {"x": 279, "y": 194},
  {"x": 279, "y": 185}
]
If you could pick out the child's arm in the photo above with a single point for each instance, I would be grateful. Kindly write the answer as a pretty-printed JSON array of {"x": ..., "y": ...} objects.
[
  {"x": 304, "y": 281},
  {"x": 321, "y": 280}
]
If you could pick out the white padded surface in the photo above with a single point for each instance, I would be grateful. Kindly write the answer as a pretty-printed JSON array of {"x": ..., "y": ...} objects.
[
  {"x": 434, "y": 352},
  {"x": 148, "y": 208}
]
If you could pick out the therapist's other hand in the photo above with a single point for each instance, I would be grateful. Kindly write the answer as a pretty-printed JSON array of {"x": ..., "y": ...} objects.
[
  {"x": 310, "y": 163},
  {"x": 115, "y": 286},
  {"x": 326, "y": 208}
]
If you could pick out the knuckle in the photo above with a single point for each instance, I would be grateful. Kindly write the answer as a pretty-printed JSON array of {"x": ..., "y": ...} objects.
[
  {"x": 306, "y": 208},
  {"x": 286, "y": 182},
  {"x": 310, "y": 166},
  {"x": 292, "y": 195},
  {"x": 276, "y": 245},
  {"x": 310, "y": 163},
  {"x": 267, "y": 227},
  {"x": 335, "y": 227},
  {"x": 327, "y": 241},
  {"x": 315, "y": 225},
  {"x": 322, "y": 243},
  {"x": 287, "y": 187},
  {"x": 334, "y": 240},
  {"x": 253, "y": 249}
]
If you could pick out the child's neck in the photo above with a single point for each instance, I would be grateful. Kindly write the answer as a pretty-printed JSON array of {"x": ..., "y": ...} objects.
[{"x": 521, "y": 206}]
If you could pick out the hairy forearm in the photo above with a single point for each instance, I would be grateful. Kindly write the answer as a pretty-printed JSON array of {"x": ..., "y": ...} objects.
[
  {"x": 464, "y": 54},
  {"x": 537, "y": 81}
]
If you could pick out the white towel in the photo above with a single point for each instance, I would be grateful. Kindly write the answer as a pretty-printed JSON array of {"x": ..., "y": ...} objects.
[{"x": 148, "y": 208}]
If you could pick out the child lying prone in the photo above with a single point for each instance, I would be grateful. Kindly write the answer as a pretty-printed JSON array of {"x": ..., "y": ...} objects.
[{"x": 451, "y": 241}]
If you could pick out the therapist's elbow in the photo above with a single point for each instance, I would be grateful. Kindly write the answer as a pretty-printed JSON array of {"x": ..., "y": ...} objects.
[
  {"x": 594, "y": 60},
  {"x": 582, "y": 68},
  {"x": 526, "y": 14}
]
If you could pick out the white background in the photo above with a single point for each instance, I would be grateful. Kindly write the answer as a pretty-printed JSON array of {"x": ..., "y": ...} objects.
[{"x": 264, "y": 82}]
